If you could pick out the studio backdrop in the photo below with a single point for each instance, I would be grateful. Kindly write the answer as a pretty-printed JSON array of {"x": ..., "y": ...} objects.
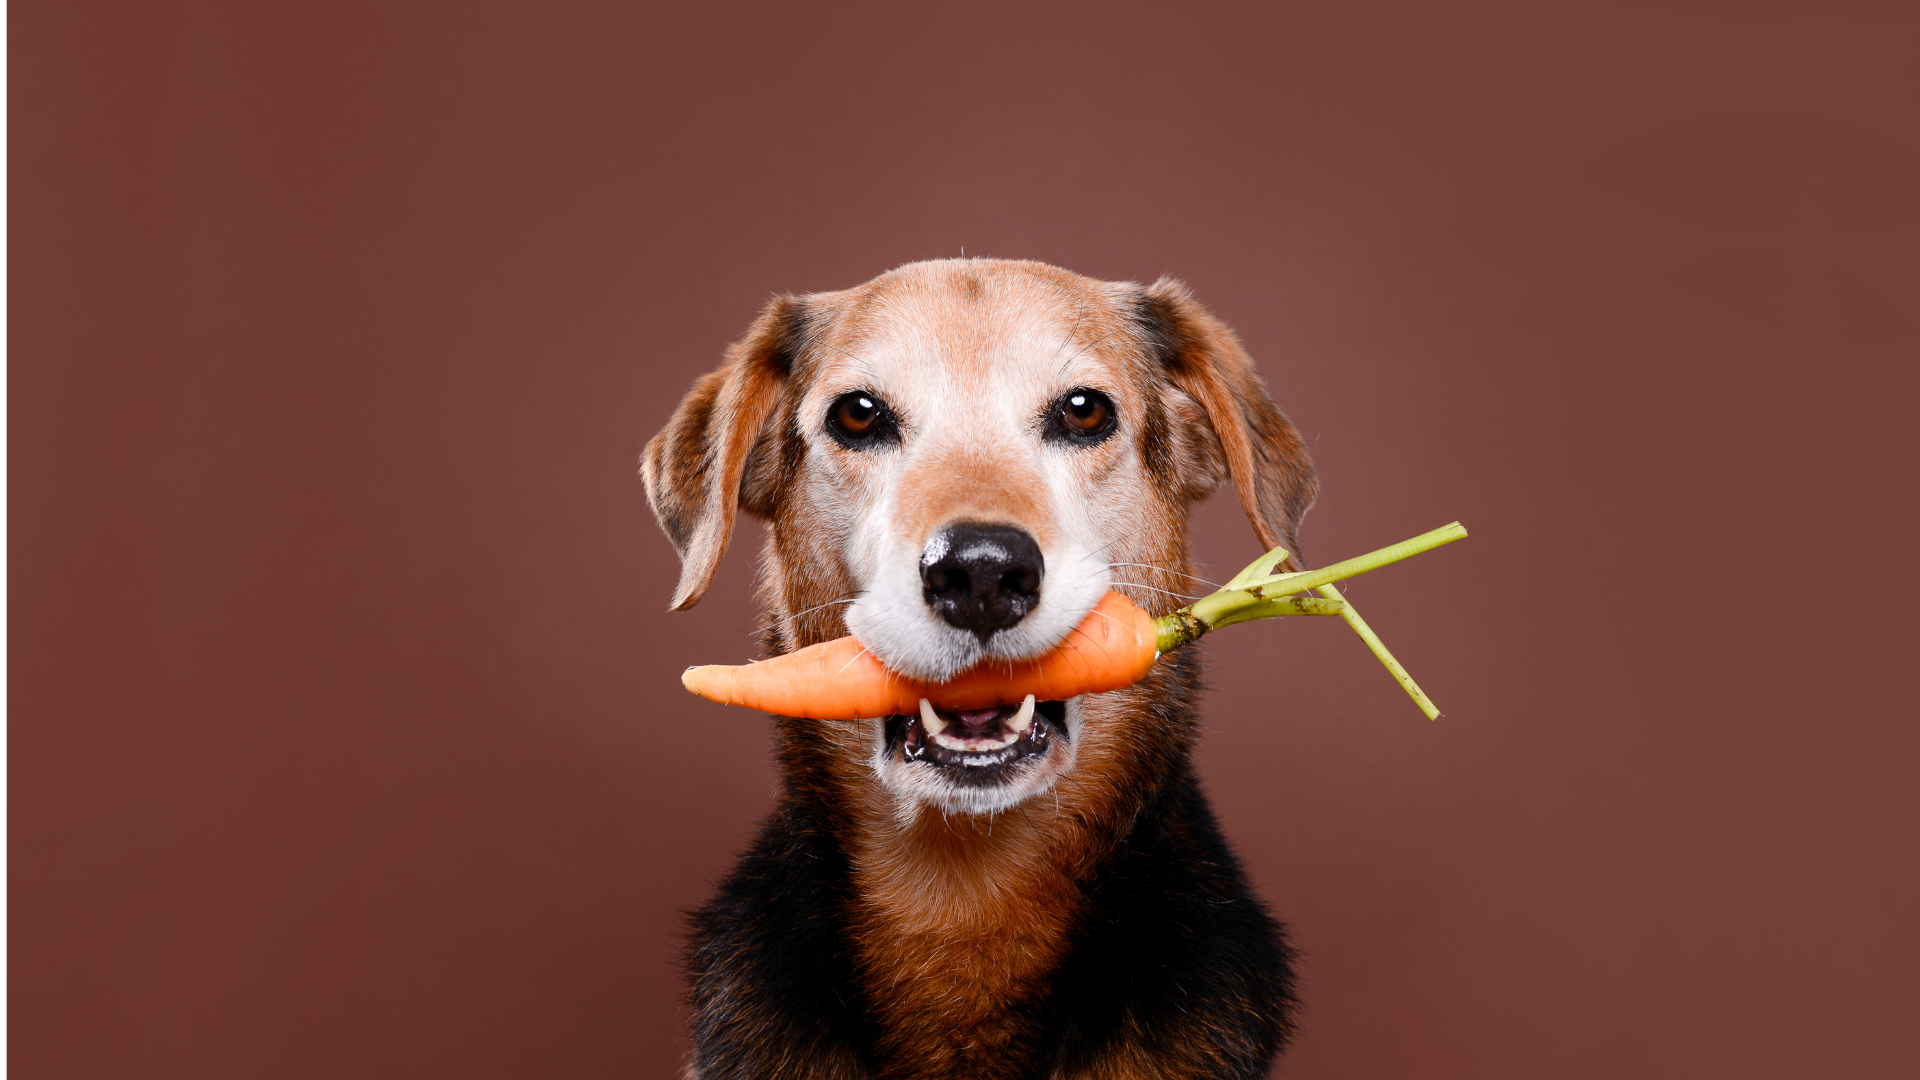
[{"x": 346, "y": 731}]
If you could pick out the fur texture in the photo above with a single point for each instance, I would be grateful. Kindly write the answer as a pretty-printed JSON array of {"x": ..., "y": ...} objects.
[{"x": 1080, "y": 915}]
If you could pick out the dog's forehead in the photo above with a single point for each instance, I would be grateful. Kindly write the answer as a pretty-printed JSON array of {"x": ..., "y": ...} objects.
[{"x": 972, "y": 327}]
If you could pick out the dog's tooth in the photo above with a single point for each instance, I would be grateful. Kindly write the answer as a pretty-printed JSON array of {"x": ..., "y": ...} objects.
[
  {"x": 930, "y": 719},
  {"x": 1023, "y": 719}
]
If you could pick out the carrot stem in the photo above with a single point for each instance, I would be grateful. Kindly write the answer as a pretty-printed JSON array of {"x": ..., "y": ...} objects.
[
  {"x": 1379, "y": 648},
  {"x": 1254, "y": 594}
]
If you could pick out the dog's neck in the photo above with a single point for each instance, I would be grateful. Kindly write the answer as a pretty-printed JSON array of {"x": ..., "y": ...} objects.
[{"x": 958, "y": 920}]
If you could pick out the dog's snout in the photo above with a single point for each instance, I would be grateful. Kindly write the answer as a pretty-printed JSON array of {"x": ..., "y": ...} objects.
[{"x": 982, "y": 578}]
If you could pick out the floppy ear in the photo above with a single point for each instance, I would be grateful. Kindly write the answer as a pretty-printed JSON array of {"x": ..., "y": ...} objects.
[
  {"x": 694, "y": 468},
  {"x": 1263, "y": 454}
]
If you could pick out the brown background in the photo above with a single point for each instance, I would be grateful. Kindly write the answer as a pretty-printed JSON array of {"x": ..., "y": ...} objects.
[{"x": 345, "y": 732}]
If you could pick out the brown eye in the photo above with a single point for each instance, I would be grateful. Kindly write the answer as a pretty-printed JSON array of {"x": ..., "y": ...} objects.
[
  {"x": 1083, "y": 415},
  {"x": 859, "y": 419}
]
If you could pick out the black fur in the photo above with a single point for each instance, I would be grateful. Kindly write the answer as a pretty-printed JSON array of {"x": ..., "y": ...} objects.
[{"x": 1172, "y": 951}]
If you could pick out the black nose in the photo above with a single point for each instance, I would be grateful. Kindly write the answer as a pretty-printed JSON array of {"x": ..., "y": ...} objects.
[{"x": 982, "y": 577}]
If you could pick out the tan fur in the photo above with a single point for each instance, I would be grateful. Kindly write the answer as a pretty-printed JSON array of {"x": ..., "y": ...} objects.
[
  {"x": 972, "y": 484},
  {"x": 959, "y": 918}
]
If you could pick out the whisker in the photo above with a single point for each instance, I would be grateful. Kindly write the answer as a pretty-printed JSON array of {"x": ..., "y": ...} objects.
[
  {"x": 817, "y": 607},
  {"x": 1115, "y": 540},
  {"x": 1080, "y": 315},
  {"x": 850, "y": 660},
  {"x": 1090, "y": 346},
  {"x": 1153, "y": 588},
  {"x": 1166, "y": 570},
  {"x": 835, "y": 348},
  {"x": 797, "y": 616}
]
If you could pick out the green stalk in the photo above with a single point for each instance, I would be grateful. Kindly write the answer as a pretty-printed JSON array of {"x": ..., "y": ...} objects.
[
  {"x": 1253, "y": 595},
  {"x": 1379, "y": 648}
]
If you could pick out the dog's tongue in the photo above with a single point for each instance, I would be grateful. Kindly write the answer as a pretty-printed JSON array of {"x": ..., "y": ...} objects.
[{"x": 976, "y": 718}]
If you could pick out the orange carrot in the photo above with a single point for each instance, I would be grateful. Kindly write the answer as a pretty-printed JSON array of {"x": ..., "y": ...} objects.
[
  {"x": 840, "y": 680},
  {"x": 1114, "y": 646}
]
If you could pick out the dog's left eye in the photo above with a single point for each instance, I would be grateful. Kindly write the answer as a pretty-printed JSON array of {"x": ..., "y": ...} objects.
[
  {"x": 859, "y": 419},
  {"x": 1083, "y": 415}
]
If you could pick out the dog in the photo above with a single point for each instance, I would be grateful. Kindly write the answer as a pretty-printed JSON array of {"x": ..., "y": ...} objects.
[{"x": 956, "y": 460}]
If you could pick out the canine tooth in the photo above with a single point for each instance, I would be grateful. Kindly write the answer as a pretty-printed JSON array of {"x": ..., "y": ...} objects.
[
  {"x": 1023, "y": 719},
  {"x": 930, "y": 719}
]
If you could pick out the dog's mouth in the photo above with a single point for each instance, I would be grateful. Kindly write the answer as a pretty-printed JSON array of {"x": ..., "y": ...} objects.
[{"x": 985, "y": 746}]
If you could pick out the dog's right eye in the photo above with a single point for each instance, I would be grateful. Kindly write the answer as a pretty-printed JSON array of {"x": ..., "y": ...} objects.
[{"x": 859, "y": 419}]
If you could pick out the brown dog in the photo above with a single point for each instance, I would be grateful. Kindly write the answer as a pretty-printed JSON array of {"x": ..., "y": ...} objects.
[{"x": 957, "y": 460}]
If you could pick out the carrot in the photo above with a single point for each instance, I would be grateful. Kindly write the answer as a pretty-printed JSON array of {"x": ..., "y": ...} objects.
[
  {"x": 1115, "y": 646},
  {"x": 840, "y": 680}
]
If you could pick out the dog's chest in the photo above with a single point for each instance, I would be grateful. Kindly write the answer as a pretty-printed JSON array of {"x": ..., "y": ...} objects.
[{"x": 957, "y": 946}]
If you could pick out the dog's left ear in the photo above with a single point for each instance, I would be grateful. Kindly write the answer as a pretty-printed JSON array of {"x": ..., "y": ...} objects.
[
  {"x": 1263, "y": 454},
  {"x": 695, "y": 467}
]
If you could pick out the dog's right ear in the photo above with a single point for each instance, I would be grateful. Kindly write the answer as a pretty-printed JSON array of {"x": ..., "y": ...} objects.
[{"x": 694, "y": 468}]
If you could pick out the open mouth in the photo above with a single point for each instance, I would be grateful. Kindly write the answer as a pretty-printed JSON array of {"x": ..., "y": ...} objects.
[{"x": 979, "y": 745}]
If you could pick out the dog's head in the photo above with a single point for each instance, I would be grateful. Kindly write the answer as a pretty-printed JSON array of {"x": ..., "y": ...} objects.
[{"x": 958, "y": 459}]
